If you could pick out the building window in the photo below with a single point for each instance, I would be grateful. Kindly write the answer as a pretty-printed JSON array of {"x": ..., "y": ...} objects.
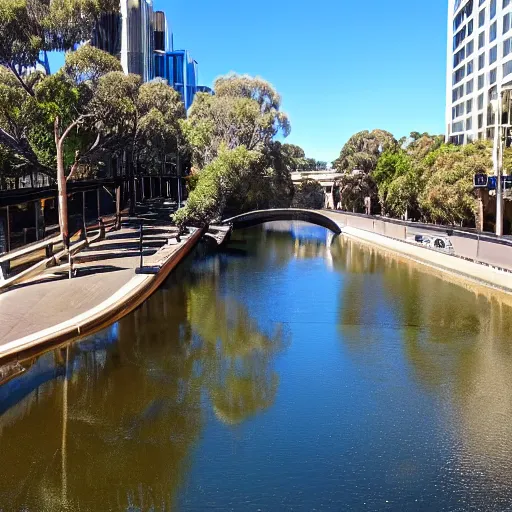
[
  {"x": 481, "y": 18},
  {"x": 506, "y": 23},
  {"x": 470, "y": 27},
  {"x": 493, "y": 54},
  {"x": 505, "y": 3},
  {"x": 507, "y": 68},
  {"x": 458, "y": 126},
  {"x": 481, "y": 61},
  {"x": 459, "y": 37},
  {"x": 480, "y": 101},
  {"x": 492, "y": 76},
  {"x": 469, "y": 48},
  {"x": 469, "y": 68},
  {"x": 458, "y": 110},
  {"x": 469, "y": 123},
  {"x": 493, "y": 32},
  {"x": 480, "y": 121},
  {"x": 459, "y": 74},
  {"x": 507, "y": 46},
  {"x": 481, "y": 81},
  {"x": 457, "y": 93},
  {"x": 492, "y": 12},
  {"x": 469, "y": 87},
  {"x": 459, "y": 57},
  {"x": 481, "y": 40},
  {"x": 469, "y": 106}
]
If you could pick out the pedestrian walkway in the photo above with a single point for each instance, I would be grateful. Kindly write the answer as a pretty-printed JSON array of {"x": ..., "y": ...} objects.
[{"x": 105, "y": 284}]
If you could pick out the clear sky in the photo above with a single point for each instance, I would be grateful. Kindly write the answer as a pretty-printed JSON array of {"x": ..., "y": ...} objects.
[{"x": 340, "y": 66}]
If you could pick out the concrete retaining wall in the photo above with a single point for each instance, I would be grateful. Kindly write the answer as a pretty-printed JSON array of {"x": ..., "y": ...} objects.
[{"x": 482, "y": 248}]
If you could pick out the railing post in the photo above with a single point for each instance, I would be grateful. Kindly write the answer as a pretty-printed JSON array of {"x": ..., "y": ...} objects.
[
  {"x": 8, "y": 234},
  {"x": 118, "y": 207},
  {"x": 141, "y": 236},
  {"x": 84, "y": 221}
]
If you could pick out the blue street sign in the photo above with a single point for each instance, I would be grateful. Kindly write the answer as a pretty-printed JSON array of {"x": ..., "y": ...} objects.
[{"x": 506, "y": 181}]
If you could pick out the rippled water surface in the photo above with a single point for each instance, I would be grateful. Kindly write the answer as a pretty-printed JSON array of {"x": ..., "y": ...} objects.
[{"x": 291, "y": 371}]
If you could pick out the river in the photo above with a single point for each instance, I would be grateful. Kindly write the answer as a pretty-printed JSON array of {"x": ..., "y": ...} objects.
[{"x": 290, "y": 371}]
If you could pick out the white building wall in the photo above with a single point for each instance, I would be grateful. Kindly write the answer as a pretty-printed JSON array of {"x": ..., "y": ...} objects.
[{"x": 487, "y": 80}]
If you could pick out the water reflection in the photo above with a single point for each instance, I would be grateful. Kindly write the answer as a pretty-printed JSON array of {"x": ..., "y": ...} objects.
[
  {"x": 381, "y": 386},
  {"x": 131, "y": 407},
  {"x": 457, "y": 342}
]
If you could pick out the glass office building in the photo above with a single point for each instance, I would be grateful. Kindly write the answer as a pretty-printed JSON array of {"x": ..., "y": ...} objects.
[
  {"x": 142, "y": 40},
  {"x": 479, "y": 64},
  {"x": 180, "y": 71}
]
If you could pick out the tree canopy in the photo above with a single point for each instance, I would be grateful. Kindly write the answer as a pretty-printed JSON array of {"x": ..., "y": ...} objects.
[
  {"x": 362, "y": 151},
  {"x": 242, "y": 117}
]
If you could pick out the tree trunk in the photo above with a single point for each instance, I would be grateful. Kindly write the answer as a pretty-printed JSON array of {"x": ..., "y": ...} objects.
[{"x": 63, "y": 197}]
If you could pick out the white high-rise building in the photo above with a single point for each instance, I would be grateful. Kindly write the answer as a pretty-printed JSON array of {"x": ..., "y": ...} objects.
[{"x": 479, "y": 65}]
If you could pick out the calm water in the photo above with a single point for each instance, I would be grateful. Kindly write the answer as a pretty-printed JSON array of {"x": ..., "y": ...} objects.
[{"x": 289, "y": 372}]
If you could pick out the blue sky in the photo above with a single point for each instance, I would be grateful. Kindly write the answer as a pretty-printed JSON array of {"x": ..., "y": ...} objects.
[{"x": 340, "y": 66}]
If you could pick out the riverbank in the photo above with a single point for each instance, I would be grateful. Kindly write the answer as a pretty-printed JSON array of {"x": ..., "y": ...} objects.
[
  {"x": 477, "y": 273},
  {"x": 108, "y": 285}
]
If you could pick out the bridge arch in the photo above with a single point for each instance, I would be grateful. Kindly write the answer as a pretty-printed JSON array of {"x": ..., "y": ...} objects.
[{"x": 256, "y": 217}]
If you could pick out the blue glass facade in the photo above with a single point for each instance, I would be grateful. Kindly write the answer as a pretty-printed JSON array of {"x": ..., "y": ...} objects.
[{"x": 180, "y": 71}]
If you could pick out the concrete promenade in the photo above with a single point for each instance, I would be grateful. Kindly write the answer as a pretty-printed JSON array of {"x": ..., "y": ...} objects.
[{"x": 52, "y": 308}]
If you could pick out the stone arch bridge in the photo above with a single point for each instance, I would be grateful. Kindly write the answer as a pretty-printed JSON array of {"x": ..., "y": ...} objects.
[{"x": 322, "y": 218}]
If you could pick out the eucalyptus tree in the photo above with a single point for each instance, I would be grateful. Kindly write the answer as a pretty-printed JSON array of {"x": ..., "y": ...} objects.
[
  {"x": 244, "y": 111},
  {"x": 29, "y": 28},
  {"x": 362, "y": 151},
  {"x": 242, "y": 116}
]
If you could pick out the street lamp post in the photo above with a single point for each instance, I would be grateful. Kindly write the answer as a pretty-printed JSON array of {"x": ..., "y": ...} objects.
[{"x": 497, "y": 106}]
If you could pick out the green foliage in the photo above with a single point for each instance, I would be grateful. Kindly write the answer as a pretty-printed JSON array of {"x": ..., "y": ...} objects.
[
  {"x": 244, "y": 111},
  {"x": 88, "y": 64},
  {"x": 353, "y": 188},
  {"x": 362, "y": 151},
  {"x": 396, "y": 182},
  {"x": 243, "y": 115},
  {"x": 448, "y": 195},
  {"x": 217, "y": 183},
  {"x": 309, "y": 193},
  {"x": 110, "y": 112},
  {"x": 421, "y": 176}
]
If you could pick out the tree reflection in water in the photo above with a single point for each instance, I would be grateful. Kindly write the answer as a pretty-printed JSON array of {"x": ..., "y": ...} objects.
[
  {"x": 456, "y": 341},
  {"x": 133, "y": 408}
]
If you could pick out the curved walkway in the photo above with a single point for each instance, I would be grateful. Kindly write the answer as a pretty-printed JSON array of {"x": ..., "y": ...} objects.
[
  {"x": 318, "y": 217},
  {"x": 53, "y": 309}
]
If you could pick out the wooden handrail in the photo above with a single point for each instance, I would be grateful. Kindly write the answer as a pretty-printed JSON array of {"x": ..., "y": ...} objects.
[{"x": 27, "y": 249}]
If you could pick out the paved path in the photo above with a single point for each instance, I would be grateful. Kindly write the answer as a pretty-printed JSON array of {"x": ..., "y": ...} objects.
[{"x": 105, "y": 276}]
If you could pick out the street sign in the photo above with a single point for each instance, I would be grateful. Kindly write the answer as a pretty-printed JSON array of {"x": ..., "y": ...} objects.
[
  {"x": 506, "y": 181},
  {"x": 480, "y": 180}
]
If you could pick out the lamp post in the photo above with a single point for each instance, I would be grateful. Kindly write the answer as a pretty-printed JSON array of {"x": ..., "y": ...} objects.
[
  {"x": 496, "y": 157},
  {"x": 498, "y": 160}
]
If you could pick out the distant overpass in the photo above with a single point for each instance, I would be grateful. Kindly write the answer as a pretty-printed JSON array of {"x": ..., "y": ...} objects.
[
  {"x": 322, "y": 218},
  {"x": 325, "y": 178}
]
